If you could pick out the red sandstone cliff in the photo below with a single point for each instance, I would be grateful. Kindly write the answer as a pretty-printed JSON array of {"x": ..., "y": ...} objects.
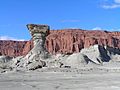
[
  {"x": 15, "y": 48},
  {"x": 28, "y": 46},
  {"x": 73, "y": 40},
  {"x": 64, "y": 41}
]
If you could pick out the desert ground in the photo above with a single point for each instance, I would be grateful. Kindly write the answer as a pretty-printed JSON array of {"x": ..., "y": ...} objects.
[
  {"x": 93, "y": 68},
  {"x": 61, "y": 79}
]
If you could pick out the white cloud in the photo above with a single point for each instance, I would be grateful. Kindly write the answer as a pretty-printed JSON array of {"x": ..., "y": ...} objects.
[
  {"x": 115, "y": 4},
  {"x": 103, "y": 29},
  {"x": 117, "y": 1},
  {"x": 111, "y": 6},
  {"x": 115, "y": 29},
  {"x": 10, "y": 38},
  {"x": 97, "y": 28}
]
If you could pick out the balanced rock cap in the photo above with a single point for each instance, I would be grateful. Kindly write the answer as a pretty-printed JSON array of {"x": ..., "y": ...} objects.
[{"x": 38, "y": 28}]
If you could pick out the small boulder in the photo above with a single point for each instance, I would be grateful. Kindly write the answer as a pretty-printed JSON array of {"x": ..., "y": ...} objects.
[
  {"x": 76, "y": 60},
  {"x": 36, "y": 65}
]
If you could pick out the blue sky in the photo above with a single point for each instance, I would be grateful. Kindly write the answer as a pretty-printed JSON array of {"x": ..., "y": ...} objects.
[{"x": 58, "y": 14}]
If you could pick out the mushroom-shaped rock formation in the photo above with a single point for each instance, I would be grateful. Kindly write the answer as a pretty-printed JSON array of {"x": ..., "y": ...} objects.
[
  {"x": 36, "y": 57},
  {"x": 39, "y": 33}
]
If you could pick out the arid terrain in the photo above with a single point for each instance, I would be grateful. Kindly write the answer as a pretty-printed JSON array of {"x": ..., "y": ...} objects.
[
  {"x": 61, "y": 60},
  {"x": 37, "y": 80}
]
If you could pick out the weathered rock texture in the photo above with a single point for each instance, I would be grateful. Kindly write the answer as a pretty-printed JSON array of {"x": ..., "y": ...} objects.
[
  {"x": 34, "y": 58},
  {"x": 64, "y": 41},
  {"x": 73, "y": 40},
  {"x": 39, "y": 34},
  {"x": 28, "y": 46},
  {"x": 15, "y": 48}
]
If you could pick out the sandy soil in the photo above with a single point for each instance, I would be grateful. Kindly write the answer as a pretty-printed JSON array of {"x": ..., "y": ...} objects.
[{"x": 52, "y": 80}]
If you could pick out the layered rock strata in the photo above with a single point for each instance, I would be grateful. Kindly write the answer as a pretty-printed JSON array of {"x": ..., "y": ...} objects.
[
  {"x": 15, "y": 48},
  {"x": 93, "y": 56},
  {"x": 73, "y": 40},
  {"x": 36, "y": 56},
  {"x": 62, "y": 41},
  {"x": 78, "y": 48},
  {"x": 39, "y": 33}
]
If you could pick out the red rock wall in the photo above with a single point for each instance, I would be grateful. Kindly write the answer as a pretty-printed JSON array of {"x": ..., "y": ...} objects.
[
  {"x": 28, "y": 47},
  {"x": 15, "y": 48},
  {"x": 64, "y": 41},
  {"x": 69, "y": 41}
]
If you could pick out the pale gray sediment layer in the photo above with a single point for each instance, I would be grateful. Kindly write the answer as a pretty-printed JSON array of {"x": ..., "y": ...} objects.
[{"x": 35, "y": 80}]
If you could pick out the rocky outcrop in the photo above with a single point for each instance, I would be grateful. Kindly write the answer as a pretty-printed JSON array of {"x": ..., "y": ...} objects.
[
  {"x": 73, "y": 40},
  {"x": 39, "y": 34},
  {"x": 35, "y": 58},
  {"x": 76, "y": 60},
  {"x": 12, "y": 48},
  {"x": 28, "y": 46},
  {"x": 78, "y": 48},
  {"x": 15, "y": 48},
  {"x": 97, "y": 53},
  {"x": 93, "y": 56},
  {"x": 63, "y": 41}
]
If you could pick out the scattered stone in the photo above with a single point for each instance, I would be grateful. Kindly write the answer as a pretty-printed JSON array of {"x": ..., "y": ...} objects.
[
  {"x": 35, "y": 65},
  {"x": 78, "y": 50}
]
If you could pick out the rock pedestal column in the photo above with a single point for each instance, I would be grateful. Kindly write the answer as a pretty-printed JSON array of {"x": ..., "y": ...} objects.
[{"x": 39, "y": 33}]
